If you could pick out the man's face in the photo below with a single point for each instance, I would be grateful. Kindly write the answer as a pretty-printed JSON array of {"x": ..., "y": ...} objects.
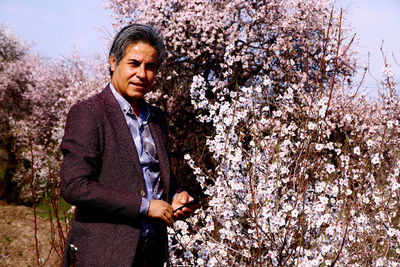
[{"x": 136, "y": 71}]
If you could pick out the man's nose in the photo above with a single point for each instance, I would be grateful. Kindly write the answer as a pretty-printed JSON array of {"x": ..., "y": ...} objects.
[{"x": 141, "y": 73}]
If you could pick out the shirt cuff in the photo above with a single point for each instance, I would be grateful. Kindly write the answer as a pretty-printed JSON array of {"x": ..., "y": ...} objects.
[{"x": 144, "y": 207}]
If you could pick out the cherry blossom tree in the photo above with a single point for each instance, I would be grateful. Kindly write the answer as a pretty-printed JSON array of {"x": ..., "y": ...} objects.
[
  {"x": 304, "y": 173},
  {"x": 36, "y": 94},
  {"x": 311, "y": 179},
  {"x": 282, "y": 40},
  {"x": 13, "y": 83}
]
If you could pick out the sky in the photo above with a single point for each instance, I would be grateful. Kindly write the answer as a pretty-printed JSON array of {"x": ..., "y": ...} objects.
[
  {"x": 376, "y": 24},
  {"x": 57, "y": 27}
]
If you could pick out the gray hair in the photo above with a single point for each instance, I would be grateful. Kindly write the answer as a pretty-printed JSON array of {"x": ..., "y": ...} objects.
[{"x": 136, "y": 33}]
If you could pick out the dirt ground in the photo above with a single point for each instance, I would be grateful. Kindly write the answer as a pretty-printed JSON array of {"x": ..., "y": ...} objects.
[{"x": 17, "y": 241}]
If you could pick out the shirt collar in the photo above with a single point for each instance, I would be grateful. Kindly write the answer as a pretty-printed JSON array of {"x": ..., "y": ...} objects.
[{"x": 127, "y": 108}]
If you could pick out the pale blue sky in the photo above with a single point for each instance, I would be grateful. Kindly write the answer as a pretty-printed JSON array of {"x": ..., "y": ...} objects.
[
  {"x": 375, "y": 21},
  {"x": 56, "y": 27}
]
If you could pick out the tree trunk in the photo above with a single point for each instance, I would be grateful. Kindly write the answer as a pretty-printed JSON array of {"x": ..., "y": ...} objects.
[{"x": 8, "y": 188}]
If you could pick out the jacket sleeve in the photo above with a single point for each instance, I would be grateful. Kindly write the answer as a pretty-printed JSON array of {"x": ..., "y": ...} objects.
[{"x": 81, "y": 166}]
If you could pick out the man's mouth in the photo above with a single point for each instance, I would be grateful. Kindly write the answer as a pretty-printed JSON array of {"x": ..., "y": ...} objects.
[{"x": 139, "y": 84}]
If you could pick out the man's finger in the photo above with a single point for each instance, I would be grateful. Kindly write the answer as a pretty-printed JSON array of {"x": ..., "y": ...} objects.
[{"x": 184, "y": 197}]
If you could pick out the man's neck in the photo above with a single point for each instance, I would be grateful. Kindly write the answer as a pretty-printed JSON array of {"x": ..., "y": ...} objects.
[{"x": 136, "y": 110}]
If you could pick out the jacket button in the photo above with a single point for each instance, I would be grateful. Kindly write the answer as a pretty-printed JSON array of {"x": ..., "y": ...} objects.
[{"x": 143, "y": 193}]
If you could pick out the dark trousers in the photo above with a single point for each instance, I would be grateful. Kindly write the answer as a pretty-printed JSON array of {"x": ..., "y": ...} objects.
[{"x": 151, "y": 252}]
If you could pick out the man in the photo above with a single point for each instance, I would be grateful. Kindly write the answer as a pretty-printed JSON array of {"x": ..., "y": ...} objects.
[{"x": 116, "y": 167}]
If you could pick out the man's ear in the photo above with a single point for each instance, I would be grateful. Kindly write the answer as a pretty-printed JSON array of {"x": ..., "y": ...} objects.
[{"x": 113, "y": 64}]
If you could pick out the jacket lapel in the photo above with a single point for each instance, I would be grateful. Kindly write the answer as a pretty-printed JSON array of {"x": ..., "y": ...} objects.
[
  {"x": 122, "y": 132},
  {"x": 157, "y": 134}
]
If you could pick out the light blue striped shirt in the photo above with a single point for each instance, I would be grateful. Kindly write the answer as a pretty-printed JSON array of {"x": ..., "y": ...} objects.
[{"x": 146, "y": 150}]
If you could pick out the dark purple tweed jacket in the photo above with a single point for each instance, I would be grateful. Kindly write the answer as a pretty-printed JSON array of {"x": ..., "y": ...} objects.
[{"x": 102, "y": 177}]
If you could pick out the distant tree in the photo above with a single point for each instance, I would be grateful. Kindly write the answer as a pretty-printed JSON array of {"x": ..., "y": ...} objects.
[
  {"x": 15, "y": 68},
  {"x": 36, "y": 95}
]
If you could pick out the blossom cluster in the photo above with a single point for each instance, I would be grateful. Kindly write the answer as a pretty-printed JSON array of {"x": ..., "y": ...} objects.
[
  {"x": 305, "y": 181},
  {"x": 305, "y": 177}
]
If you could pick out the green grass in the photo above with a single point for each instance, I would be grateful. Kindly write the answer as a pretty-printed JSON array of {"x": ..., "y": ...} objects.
[
  {"x": 42, "y": 209},
  {"x": 8, "y": 239}
]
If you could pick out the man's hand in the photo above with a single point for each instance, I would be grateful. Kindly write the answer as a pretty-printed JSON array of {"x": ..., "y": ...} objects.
[
  {"x": 162, "y": 210},
  {"x": 181, "y": 200}
]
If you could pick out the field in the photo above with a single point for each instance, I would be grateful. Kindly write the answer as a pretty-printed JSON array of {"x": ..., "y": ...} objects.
[{"x": 17, "y": 245}]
